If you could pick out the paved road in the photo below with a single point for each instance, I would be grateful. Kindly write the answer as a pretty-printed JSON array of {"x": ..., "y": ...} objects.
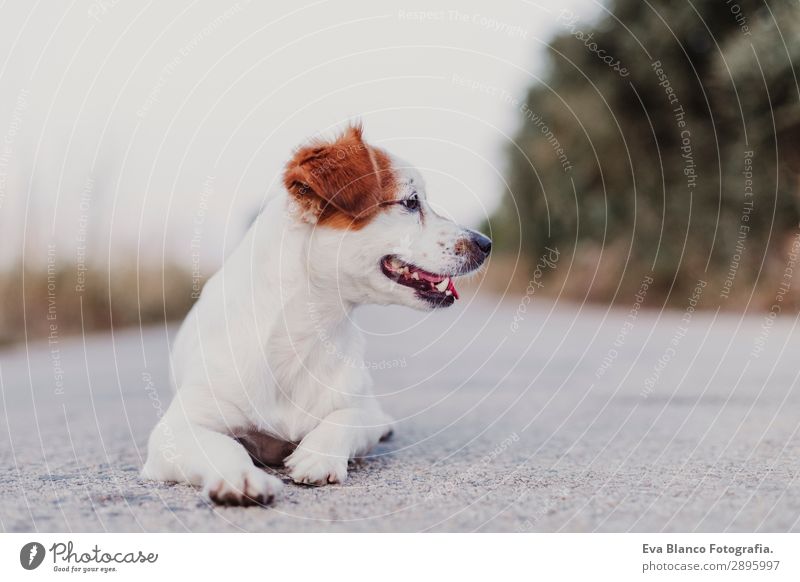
[{"x": 550, "y": 427}]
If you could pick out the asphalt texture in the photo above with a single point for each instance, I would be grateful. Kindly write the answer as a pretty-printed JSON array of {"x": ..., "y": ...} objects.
[{"x": 541, "y": 417}]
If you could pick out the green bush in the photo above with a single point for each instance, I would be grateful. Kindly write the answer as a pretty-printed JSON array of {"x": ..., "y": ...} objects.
[{"x": 635, "y": 197}]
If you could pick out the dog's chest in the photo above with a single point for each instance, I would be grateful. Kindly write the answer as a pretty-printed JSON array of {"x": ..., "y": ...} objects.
[{"x": 313, "y": 371}]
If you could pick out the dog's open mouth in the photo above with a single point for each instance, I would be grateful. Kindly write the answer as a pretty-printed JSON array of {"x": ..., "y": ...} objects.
[{"x": 438, "y": 289}]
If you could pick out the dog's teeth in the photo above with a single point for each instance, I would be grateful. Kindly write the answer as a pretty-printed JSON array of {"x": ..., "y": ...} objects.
[
  {"x": 444, "y": 284},
  {"x": 415, "y": 275},
  {"x": 448, "y": 292}
]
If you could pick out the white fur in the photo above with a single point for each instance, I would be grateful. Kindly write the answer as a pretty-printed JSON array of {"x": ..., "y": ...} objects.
[{"x": 269, "y": 348}]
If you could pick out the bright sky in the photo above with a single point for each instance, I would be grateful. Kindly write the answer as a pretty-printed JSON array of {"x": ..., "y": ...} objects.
[{"x": 137, "y": 125}]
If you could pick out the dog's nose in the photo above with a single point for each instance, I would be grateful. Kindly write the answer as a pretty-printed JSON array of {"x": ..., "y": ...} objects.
[{"x": 483, "y": 242}]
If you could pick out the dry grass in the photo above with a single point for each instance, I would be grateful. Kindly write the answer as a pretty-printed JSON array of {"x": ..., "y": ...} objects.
[
  {"x": 37, "y": 303},
  {"x": 41, "y": 302},
  {"x": 595, "y": 277}
]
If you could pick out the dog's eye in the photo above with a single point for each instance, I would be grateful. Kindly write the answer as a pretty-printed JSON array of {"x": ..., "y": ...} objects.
[{"x": 412, "y": 202}]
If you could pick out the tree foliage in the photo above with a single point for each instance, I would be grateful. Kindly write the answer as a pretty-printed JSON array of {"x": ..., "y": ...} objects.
[{"x": 663, "y": 111}]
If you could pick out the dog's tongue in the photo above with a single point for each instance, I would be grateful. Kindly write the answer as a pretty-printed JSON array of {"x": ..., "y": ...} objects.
[
  {"x": 434, "y": 279},
  {"x": 452, "y": 288},
  {"x": 429, "y": 276}
]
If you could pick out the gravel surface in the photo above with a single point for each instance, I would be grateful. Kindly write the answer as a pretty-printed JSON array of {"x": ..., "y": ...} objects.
[{"x": 571, "y": 420}]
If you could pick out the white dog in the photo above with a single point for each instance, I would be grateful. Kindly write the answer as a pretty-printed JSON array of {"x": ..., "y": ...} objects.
[{"x": 263, "y": 362}]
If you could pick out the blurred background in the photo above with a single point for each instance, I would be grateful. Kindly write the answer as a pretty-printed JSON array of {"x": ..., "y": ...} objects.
[
  {"x": 624, "y": 362},
  {"x": 601, "y": 144}
]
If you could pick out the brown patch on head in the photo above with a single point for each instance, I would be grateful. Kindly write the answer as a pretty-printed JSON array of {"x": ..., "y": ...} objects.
[{"x": 341, "y": 183}]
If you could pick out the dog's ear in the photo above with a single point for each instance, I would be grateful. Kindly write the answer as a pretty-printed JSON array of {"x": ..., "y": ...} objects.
[{"x": 345, "y": 176}]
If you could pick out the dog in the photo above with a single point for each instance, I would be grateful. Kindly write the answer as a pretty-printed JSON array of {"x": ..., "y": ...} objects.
[{"x": 262, "y": 364}]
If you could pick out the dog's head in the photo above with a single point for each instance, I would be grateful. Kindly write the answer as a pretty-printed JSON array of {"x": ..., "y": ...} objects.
[{"x": 376, "y": 239}]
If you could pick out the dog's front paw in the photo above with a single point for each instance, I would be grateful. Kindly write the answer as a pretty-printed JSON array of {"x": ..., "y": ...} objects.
[
  {"x": 312, "y": 468},
  {"x": 252, "y": 486}
]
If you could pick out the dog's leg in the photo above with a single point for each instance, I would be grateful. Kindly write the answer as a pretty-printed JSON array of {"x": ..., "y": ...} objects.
[
  {"x": 189, "y": 446},
  {"x": 322, "y": 456}
]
